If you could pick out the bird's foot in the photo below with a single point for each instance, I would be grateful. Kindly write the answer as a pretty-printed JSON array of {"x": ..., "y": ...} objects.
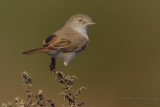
[{"x": 52, "y": 67}]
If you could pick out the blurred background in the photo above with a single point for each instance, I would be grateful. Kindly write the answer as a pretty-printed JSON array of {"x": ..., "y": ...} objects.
[{"x": 122, "y": 59}]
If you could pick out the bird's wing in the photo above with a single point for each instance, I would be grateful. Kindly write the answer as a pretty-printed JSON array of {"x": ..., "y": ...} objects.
[
  {"x": 56, "y": 42},
  {"x": 48, "y": 40}
]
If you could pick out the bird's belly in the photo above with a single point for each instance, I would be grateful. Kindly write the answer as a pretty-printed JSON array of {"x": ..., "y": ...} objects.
[
  {"x": 66, "y": 56},
  {"x": 53, "y": 53}
]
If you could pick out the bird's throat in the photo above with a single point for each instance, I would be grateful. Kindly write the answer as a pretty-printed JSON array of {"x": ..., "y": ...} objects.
[{"x": 82, "y": 31}]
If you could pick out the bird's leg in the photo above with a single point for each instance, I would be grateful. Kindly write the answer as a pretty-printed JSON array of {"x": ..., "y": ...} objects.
[{"x": 53, "y": 64}]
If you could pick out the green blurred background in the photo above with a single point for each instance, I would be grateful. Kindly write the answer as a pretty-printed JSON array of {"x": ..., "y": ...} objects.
[{"x": 121, "y": 60}]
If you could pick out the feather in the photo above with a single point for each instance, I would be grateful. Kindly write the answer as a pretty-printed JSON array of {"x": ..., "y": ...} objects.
[{"x": 36, "y": 51}]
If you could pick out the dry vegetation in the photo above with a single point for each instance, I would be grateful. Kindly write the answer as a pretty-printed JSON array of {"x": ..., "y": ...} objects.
[{"x": 39, "y": 100}]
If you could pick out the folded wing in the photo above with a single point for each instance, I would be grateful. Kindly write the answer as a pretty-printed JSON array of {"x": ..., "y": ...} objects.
[{"x": 55, "y": 42}]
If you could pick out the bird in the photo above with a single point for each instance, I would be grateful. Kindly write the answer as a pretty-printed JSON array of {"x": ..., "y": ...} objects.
[{"x": 67, "y": 42}]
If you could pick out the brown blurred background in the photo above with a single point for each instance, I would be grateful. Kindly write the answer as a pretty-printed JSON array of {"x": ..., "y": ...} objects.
[{"x": 121, "y": 60}]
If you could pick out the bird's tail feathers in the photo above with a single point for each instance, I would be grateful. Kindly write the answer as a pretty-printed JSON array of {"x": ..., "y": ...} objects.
[{"x": 35, "y": 51}]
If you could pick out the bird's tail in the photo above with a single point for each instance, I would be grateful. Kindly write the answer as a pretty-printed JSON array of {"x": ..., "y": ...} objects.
[{"x": 35, "y": 51}]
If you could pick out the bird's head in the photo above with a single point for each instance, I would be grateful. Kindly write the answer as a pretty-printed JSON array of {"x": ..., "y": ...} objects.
[{"x": 80, "y": 22}]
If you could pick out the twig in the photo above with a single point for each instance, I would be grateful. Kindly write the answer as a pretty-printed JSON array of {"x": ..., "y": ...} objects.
[
  {"x": 40, "y": 100},
  {"x": 67, "y": 88}
]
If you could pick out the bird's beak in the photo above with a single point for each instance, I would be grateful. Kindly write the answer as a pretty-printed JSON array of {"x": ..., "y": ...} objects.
[{"x": 91, "y": 23}]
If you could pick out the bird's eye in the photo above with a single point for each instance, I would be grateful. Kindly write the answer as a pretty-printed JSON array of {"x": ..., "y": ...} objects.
[{"x": 79, "y": 20}]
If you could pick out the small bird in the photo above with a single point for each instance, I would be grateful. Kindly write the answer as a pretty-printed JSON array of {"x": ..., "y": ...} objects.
[{"x": 67, "y": 42}]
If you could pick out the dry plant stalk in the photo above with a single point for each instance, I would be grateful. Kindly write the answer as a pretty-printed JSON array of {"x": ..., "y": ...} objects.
[
  {"x": 31, "y": 100},
  {"x": 38, "y": 100},
  {"x": 67, "y": 87}
]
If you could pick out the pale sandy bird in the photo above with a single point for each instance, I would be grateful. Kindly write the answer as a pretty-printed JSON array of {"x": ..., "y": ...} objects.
[{"x": 67, "y": 42}]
